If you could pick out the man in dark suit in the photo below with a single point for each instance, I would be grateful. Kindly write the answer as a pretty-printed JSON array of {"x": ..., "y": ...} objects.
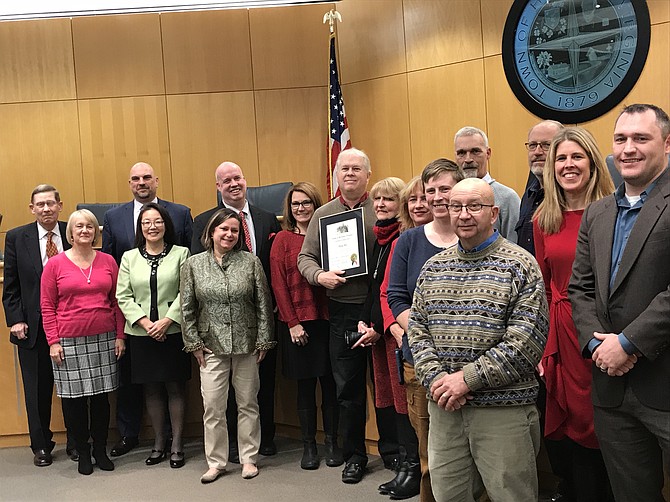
[
  {"x": 620, "y": 294},
  {"x": 258, "y": 225},
  {"x": 27, "y": 249},
  {"x": 118, "y": 236}
]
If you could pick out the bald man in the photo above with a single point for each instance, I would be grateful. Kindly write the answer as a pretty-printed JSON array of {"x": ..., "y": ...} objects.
[
  {"x": 118, "y": 236},
  {"x": 477, "y": 329}
]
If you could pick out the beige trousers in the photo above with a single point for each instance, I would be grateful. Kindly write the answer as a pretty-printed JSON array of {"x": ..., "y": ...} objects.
[{"x": 215, "y": 378}]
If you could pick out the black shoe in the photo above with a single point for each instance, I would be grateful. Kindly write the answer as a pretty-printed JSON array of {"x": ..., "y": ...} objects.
[
  {"x": 310, "y": 456},
  {"x": 72, "y": 453},
  {"x": 42, "y": 458},
  {"x": 101, "y": 459},
  {"x": 334, "y": 456},
  {"x": 177, "y": 459},
  {"x": 393, "y": 463},
  {"x": 353, "y": 473},
  {"x": 233, "y": 454},
  {"x": 385, "y": 488},
  {"x": 126, "y": 444},
  {"x": 409, "y": 485},
  {"x": 268, "y": 449},
  {"x": 156, "y": 457},
  {"x": 85, "y": 466}
]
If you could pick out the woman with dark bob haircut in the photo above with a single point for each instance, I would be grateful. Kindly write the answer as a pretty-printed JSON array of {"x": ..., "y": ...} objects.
[
  {"x": 227, "y": 324},
  {"x": 148, "y": 294}
]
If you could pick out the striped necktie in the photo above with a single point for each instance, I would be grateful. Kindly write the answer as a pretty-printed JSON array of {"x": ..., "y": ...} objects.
[
  {"x": 52, "y": 249},
  {"x": 247, "y": 235}
]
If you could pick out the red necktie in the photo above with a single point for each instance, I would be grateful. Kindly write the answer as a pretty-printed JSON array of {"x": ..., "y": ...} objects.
[
  {"x": 247, "y": 235},
  {"x": 52, "y": 249}
]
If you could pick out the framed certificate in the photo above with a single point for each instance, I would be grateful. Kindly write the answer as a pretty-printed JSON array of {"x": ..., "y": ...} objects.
[{"x": 343, "y": 243}]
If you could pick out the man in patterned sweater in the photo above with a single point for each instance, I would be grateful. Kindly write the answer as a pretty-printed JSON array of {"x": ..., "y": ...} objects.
[{"x": 477, "y": 330}]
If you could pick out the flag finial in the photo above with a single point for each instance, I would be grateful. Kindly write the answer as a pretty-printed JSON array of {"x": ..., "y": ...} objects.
[{"x": 330, "y": 18}]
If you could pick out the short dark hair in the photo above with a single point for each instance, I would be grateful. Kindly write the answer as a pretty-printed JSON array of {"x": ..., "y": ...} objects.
[
  {"x": 217, "y": 218},
  {"x": 44, "y": 188},
  {"x": 662, "y": 119},
  {"x": 170, "y": 236},
  {"x": 440, "y": 166}
]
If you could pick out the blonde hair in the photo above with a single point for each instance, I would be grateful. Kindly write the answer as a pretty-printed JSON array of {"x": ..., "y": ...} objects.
[
  {"x": 89, "y": 217},
  {"x": 549, "y": 214},
  {"x": 406, "y": 221},
  {"x": 389, "y": 187}
]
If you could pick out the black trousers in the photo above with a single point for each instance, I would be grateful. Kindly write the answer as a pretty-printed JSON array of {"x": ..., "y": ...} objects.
[
  {"x": 38, "y": 383},
  {"x": 87, "y": 417},
  {"x": 349, "y": 371}
]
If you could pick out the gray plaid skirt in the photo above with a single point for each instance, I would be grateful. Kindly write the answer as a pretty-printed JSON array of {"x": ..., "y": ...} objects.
[{"x": 89, "y": 366}]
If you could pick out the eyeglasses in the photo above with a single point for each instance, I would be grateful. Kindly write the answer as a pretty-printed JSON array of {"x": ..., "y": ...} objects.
[
  {"x": 48, "y": 203},
  {"x": 148, "y": 224},
  {"x": 303, "y": 203},
  {"x": 474, "y": 208},
  {"x": 533, "y": 145}
]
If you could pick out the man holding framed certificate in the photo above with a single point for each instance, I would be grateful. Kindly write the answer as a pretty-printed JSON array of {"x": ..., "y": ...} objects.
[{"x": 346, "y": 295}]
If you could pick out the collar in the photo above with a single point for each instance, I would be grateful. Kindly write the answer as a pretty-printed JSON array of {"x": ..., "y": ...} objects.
[
  {"x": 245, "y": 208},
  {"x": 481, "y": 246},
  {"x": 358, "y": 204},
  {"x": 139, "y": 205},
  {"x": 620, "y": 193},
  {"x": 488, "y": 178},
  {"x": 42, "y": 232}
]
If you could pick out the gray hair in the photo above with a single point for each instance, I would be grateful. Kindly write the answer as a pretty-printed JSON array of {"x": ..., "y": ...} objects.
[
  {"x": 471, "y": 131},
  {"x": 358, "y": 153}
]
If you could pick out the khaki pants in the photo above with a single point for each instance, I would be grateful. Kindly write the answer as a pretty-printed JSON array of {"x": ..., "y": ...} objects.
[
  {"x": 501, "y": 443},
  {"x": 215, "y": 378}
]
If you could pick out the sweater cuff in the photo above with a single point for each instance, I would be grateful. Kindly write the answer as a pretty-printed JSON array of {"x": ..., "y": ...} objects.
[
  {"x": 192, "y": 347},
  {"x": 266, "y": 345},
  {"x": 471, "y": 377}
]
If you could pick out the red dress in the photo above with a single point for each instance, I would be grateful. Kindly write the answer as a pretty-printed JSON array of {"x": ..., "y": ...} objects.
[{"x": 567, "y": 374}]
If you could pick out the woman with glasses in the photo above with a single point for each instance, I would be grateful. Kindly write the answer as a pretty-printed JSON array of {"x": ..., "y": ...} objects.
[
  {"x": 84, "y": 329},
  {"x": 412, "y": 250},
  {"x": 575, "y": 176},
  {"x": 303, "y": 331},
  {"x": 148, "y": 295}
]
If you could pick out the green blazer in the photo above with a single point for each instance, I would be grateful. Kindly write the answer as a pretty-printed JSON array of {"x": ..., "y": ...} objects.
[{"x": 133, "y": 291}]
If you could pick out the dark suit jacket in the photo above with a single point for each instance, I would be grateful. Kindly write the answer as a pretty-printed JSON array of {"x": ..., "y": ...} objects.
[
  {"x": 118, "y": 230},
  {"x": 265, "y": 224},
  {"x": 638, "y": 304},
  {"x": 23, "y": 271}
]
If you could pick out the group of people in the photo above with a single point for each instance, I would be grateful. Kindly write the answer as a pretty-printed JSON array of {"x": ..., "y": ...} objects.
[{"x": 486, "y": 321}]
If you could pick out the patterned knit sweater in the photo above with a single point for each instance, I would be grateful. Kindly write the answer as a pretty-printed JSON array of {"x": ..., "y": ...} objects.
[{"x": 485, "y": 313}]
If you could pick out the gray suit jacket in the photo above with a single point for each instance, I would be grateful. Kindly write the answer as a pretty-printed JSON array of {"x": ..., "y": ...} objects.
[{"x": 638, "y": 303}]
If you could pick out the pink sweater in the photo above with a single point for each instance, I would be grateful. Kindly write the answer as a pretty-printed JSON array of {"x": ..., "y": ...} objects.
[{"x": 71, "y": 307}]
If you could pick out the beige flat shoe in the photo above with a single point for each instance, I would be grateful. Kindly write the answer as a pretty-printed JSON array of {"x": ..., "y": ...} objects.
[
  {"x": 211, "y": 475},
  {"x": 249, "y": 471}
]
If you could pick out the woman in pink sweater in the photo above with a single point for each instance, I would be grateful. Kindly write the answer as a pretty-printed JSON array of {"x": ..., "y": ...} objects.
[{"x": 84, "y": 329}]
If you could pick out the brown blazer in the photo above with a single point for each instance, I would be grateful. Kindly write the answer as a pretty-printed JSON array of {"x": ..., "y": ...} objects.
[{"x": 639, "y": 302}]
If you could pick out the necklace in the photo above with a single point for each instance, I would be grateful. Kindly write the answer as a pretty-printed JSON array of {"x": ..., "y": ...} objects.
[
  {"x": 380, "y": 258},
  {"x": 90, "y": 271}
]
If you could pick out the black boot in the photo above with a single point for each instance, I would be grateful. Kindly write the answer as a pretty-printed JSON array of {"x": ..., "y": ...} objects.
[
  {"x": 310, "y": 455},
  {"x": 101, "y": 459},
  {"x": 385, "y": 488},
  {"x": 410, "y": 484},
  {"x": 84, "y": 464},
  {"x": 331, "y": 419}
]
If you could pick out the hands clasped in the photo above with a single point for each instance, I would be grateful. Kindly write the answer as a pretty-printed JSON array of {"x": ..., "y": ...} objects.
[
  {"x": 450, "y": 392},
  {"x": 610, "y": 357}
]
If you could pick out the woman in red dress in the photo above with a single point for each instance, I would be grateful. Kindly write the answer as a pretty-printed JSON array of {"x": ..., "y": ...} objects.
[{"x": 575, "y": 175}]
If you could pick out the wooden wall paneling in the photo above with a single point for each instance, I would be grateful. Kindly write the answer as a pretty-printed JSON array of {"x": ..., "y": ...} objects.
[
  {"x": 371, "y": 39},
  {"x": 118, "y": 55},
  {"x": 12, "y": 408},
  {"x": 206, "y": 51},
  {"x": 289, "y": 46},
  {"x": 205, "y": 130},
  {"x": 115, "y": 134},
  {"x": 652, "y": 87},
  {"x": 36, "y": 62},
  {"x": 378, "y": 116},
  {"x": 440, "y": 33},
  {"x": 40, "y": 144},
  {"x": 494, "y": 14},
  {"x": 441, "y": 101},
  {"x": 659, "y": 11},
  {"x": 508, "y": 125},
  {"x": 292, "y": 135}
]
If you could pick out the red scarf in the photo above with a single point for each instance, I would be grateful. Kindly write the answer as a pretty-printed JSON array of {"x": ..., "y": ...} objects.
[{"x": 386, "y": 230}]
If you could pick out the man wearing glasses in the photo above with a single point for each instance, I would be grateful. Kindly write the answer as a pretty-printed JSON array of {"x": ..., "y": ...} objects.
[
  {"x": 539, "y": 141},
  {"x": 118, "y": 236},
  {"x": 472, "y": 155},
  {"x": 477, "y": 329}
]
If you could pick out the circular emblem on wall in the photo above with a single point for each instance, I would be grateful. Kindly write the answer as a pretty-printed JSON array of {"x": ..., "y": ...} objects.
[{"x": 574, "y": 60}]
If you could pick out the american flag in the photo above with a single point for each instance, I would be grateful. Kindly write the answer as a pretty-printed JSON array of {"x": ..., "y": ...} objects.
[{"x": 337, "y": 119}]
